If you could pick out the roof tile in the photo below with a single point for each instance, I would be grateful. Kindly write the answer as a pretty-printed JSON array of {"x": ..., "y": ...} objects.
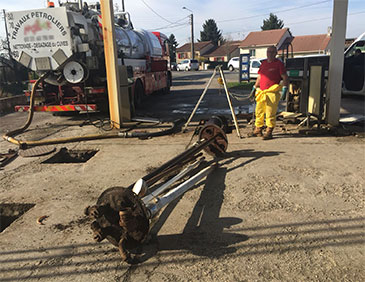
[
  {"x": 197, "y": 46},
  {"x": 307, "y": 43},
  {"x": 223, "y": 50},
  {"x": 263, "y": 38}
]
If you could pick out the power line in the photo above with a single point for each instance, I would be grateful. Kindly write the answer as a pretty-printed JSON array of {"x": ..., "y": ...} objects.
[
  {"x": 306, "y": 21},
  {"x": 177, "y": 29},
  {"x": 326, "y": 18},
  {"x": 279, "y": 11},
  {"x": 156, "y": 12},
  {"x": 172, "y": 24}
]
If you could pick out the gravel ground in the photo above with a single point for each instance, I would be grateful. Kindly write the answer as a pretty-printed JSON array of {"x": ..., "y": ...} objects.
[{"x": 287, "y": 209}]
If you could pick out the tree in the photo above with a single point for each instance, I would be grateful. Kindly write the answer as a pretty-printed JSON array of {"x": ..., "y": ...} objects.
[
  {"x": 272, "y": 23},
  {"x": 211, "y": 32},
  {"x": 4, "y": 51},
  {"x": 172, "y": 47}
]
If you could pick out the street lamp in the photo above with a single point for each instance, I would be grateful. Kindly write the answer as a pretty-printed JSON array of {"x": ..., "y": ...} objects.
[{"x": 192, "y": 32}]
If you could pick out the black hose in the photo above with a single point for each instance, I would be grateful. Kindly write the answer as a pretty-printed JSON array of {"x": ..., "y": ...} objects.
[{"x": 176, "y": 125}]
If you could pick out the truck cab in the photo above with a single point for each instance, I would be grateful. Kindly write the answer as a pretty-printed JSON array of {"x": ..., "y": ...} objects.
[{"x": 354, "y": 68}]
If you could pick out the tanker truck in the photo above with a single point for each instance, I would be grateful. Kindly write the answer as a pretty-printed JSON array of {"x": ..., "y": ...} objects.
[{"x": 66, "y": 42}]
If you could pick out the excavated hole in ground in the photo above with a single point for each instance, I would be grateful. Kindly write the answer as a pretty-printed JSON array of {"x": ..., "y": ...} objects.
[
  {"x": 70, "y": 156},
  {"x": 9, "y": 212}
]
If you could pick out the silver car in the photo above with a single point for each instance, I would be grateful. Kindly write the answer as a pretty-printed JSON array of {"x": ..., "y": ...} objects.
[{"x": 187, "y": 65}]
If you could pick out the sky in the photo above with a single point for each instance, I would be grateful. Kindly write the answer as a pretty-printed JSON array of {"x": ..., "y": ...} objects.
[{"x": 234, "y": 18}]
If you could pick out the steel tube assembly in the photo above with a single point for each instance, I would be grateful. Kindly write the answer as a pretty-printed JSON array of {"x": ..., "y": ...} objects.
[
  {"x": 154, "y": 208},
  {"x": 123, "y": 215}
]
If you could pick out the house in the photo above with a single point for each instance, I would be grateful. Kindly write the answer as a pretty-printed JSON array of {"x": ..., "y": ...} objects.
[
  {"x": 348, "y": 42},
  {"x": 200, "y": 49},
  {"x": 305, "y": 45},
  {"x": 257, "y": 42},
  {"x": 224, "y": 52}
]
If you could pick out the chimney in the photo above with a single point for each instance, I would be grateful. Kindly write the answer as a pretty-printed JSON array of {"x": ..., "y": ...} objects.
[{"x": 329, "y": 31}]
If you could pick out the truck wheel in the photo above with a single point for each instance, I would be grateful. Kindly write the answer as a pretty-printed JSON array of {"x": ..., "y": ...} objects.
[
  {"x": 231, "y": 68},
  {"x": 166, "y": 90},
  {"x": 138, "y": 94}
]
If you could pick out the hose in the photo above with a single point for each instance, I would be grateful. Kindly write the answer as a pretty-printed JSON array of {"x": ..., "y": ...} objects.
[
  {"x": 25, "y": 144},
  {"x": 143, "y": 135},
  {"x": 8, "y": 136}
]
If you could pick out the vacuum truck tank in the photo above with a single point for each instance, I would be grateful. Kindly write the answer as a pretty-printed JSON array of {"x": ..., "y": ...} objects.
[{"x": 67, "y": 42}]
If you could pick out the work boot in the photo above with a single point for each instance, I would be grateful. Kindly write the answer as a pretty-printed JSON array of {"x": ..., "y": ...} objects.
[
  {"x": 257, "y": 132},
  {"x": 268, "y": 133}
]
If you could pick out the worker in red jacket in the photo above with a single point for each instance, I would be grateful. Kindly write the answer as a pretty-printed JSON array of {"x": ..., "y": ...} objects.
[{"x": 268, "y": 92}]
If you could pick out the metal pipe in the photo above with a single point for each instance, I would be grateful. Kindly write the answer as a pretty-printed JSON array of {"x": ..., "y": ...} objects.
[
  {"x": 200, "y": 99},
  {"x": 167, "y": 184},
  {"x": 230, "y": 103},
  {"x": 154, "y": 208},
  {"x": 172, "y": 169},
  {"x": 190, "y": 152},
  {"x": 136, "y": 213}
]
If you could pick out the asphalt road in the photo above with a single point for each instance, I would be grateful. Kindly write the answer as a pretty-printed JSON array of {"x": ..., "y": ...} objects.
[{"x": 189, "y": 86}]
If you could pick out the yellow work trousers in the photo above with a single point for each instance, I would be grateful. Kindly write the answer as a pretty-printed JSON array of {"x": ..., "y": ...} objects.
[{"x": 267, "y": 102}]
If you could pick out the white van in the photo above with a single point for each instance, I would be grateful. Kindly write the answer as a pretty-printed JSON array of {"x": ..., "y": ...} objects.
[
  {"x": 188, "y": 65},
  {"x": 234, "y": 64}
]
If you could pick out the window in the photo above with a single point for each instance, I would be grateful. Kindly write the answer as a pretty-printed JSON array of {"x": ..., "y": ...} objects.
[
  {"x": 358, "y": 45},
  {"x": 255, "y": 64},
  {"x": 252, "y": 52},
  {"x": 182, "y": 56}
]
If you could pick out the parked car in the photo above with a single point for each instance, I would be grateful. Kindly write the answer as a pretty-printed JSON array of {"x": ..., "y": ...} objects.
[
  {"x": 234, "y": 64},
  {"x": 254, "y": 67},
  {"x": 187, "y": 65}
]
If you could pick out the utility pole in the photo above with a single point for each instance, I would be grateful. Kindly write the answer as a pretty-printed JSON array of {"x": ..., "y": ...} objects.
[
  {"x": 123, "y": 10},
  {"x": 192, "y": 37},
  {"x": 118, "y": 103},
  {"x": 192, "y": 32},
  {"x": 335, "y": 71}
]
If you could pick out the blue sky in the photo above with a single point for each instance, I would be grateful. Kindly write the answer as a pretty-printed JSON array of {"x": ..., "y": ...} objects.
[{"x": 235, "y": 18}]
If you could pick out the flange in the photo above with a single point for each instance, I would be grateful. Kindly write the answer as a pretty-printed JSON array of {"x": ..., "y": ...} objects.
[
  {"x": 73, "y": 72},
  {"x": 220, "y": 144}
]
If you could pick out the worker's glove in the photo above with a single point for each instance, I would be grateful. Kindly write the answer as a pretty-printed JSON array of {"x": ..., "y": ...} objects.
[
  {"x": 252, "y": 94},
  {"x": 284, "y": 90}
]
